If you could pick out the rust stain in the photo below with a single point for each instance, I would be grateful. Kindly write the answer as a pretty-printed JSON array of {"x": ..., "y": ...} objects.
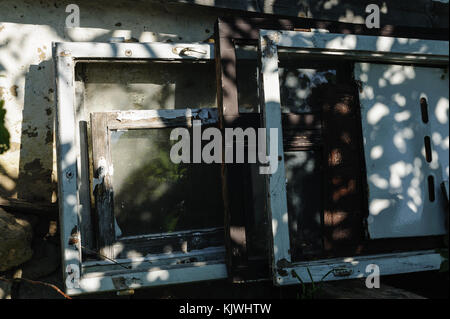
[
  {"x": 64, "y": 53},
  {"x": 2, "y": 27}
]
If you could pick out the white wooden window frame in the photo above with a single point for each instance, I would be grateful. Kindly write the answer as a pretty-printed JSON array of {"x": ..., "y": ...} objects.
[
  {"x": 355, "y": 48},
  {"x": 97, "y": 276}
]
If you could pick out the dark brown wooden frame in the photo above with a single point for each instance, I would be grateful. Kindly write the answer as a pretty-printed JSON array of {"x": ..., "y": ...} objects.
[{"x": 245, "y": 30}]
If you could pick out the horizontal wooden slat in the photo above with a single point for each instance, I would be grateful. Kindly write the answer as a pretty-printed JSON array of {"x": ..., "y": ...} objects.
[
  {"x": 49, "y": 210},
  {"x": 156, "y": 260},
  {"x": 137, "y": 119},
  {"x": 169, "y": 242}
]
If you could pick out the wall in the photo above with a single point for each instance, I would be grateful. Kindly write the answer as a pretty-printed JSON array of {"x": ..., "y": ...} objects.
[{"x": 27, "y": 30}]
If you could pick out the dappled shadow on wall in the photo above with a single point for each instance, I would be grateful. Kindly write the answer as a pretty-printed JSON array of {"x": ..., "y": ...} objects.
[{"x": 405, "y": 124}]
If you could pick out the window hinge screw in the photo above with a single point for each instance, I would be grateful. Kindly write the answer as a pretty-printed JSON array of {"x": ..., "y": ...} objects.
[{"x": 69, "y": 174}]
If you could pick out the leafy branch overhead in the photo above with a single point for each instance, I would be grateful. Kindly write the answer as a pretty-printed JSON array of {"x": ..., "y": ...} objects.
[{"x": 4, "y": 134}]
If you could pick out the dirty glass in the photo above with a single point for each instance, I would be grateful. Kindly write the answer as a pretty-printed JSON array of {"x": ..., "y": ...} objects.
[
  {"x": 147, "y": 85},
  {"x": 246, "y": 78},
  {"x": 304, "y": 199},
  {"x": 297, "y": 84},
  {"x": 298, "y": 77},
  {"x": 301, "y": 83},
  {"x": 154, "y": 195}
]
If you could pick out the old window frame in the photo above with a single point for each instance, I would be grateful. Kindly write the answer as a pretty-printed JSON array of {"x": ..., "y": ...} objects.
[
  {"x": 353, "y": 47},
  {"x": 73, "y": 185},
  {"x": 102, "y": 123},
  {"x": 230, "y": 31}
]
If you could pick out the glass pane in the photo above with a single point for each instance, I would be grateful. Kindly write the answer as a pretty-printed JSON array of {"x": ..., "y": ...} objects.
[
  {"x": 145, "y": 86},
  {"x": 304, "y": 196},
  {"x": 298, "y": 78},
  {"x": 297, "y": 85},
  {"x": 154, "y": 195},
  {"x": 246, "y": 78}
]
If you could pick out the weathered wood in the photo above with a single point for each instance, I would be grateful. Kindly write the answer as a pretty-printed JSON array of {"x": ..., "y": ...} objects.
[
  {"x": 149, "y": 119},
  {"x": 84, "y": 189},
  {"x": 276, "y": 197},
  {"x": 232, "y": 186},
  {"x": 236, "y": 191},
  {"x": 49, "y": 210},
  {"x": 103, "y": 190},
  {"x": 102, "y": 124},
  {"x": 210, "y": 254},
  {"x": 183, "y": 241}
]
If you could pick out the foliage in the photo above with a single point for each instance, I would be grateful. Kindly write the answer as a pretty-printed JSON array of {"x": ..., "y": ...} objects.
[
  {"x": 4, "y": 134},
  {"x": 310, "y": 291}
]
